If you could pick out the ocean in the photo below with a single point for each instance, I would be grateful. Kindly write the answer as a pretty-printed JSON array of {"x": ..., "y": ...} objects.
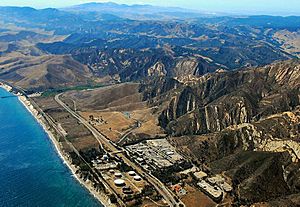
[{"x": 31, "y": 172}]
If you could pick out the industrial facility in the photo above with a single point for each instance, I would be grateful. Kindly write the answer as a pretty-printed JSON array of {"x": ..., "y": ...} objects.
[{"x": 155, "y": 154}]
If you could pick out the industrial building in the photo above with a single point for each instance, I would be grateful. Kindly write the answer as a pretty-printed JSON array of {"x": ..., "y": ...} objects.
[
  {"x": 220, "y": 182},
  {"x": 212, "y": 191},
  {"x": 155, "y": 154},
  {"x": 200, "y": 175}
]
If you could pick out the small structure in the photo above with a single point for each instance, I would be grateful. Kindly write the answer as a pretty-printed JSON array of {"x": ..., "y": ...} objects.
[
  {"x": 118, "y": 175},
  {"x": 105, "y": 157},
  {"x": 138, "y": 124},
  {"x": 139, "y": 159},
  {"x": 182, "y": 191},
  {"x": 127, "y": 190},
  {"x": 119, "y": 182},
  {"x": 200, "y": 175},
  {"x": 111, "y": 171},
  {"x": 220, "y": 181},
  {"x": 137, "y": 178},
  {"x": 212, "y": 191},
  {"x": 226, "y": 187},
  {"x": 217, "y": 179},
  {"x": 170, "y": 153},
  {"x": 131, "y": 173},
  {"x": 176, "y": 188}
]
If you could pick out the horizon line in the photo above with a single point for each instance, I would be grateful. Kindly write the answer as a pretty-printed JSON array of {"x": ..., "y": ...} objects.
[{"x": 211, "y": 12}]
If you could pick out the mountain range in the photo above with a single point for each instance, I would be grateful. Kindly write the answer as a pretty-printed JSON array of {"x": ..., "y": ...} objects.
[
  {"x": 136, "y": 11},
  {"x": 224, "y": 90}
]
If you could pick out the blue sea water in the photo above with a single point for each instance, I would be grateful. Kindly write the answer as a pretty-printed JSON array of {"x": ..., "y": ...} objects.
[{"x": 31, "y": 172}]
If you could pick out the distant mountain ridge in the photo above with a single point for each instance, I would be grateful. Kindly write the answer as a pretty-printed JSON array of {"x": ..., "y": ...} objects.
[
  {"x": 136, "y": 11},
  {"x": 130, "y": 48},
  {"x": 97, "y": 6}
]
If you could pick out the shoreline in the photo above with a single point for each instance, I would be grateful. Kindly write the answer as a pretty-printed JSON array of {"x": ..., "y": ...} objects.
[{"x": 102, "y": 199}]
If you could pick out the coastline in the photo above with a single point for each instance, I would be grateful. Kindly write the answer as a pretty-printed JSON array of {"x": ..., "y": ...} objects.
[{"x": 102, "y": 198}]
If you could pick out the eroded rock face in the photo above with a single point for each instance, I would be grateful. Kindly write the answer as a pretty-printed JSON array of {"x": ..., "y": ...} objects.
[
  {"x": 220, "y": 100},
  {"x": 277, "y": 133},
  {"x": 136, "y": 64},
  {"x": 245, "y": 124},
  {"x": 157, "y": 70},
  {"x": 287, "y": 74},
  {"x": 192, "y": 66}
]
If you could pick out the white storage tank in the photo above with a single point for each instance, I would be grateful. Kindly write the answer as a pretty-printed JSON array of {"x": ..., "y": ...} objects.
[
  {"x": 131, "y": 173},
  {"x": 137, "y": 178},
  {"x": 119, "y": 182},
  {"x": 118, "y": 175}
]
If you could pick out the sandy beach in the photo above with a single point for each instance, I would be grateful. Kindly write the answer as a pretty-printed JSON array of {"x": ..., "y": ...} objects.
[{"x": 101, "y": 197}]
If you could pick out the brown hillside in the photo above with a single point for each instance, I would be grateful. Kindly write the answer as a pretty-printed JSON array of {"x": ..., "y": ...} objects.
[{"x": 44, "y": 72}]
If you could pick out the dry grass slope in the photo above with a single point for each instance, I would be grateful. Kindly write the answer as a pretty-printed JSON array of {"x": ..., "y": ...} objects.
[
  {"x": 119, "y": 107},
  {"x": 43, "y": 72}
]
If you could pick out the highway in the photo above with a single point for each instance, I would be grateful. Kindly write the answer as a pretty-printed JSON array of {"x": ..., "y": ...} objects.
[
  {"x": 62, "y": 134},
  {"x": 159, "y": 186}
]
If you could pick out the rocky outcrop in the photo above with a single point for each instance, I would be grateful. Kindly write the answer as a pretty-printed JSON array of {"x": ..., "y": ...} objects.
[
  {"x": 157, "y": 70},
  {"x": 193, "y": 66},
  {"x": 277, "y": 133},
  {"x": 158, "y": 89},
  {"x": 219, "y": 100}
]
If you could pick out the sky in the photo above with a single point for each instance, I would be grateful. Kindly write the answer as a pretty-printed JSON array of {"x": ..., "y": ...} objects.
[{"x": 274, "y": 7}]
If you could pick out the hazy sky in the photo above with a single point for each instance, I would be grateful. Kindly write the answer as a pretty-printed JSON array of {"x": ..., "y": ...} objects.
[{"x": 284, "y": 7}]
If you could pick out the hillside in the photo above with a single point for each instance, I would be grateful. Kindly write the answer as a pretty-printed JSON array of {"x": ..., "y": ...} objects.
[
  {"x": 216, "y": 101},
  {"x": 44, "y": 72},
  {"x": 244, "y": 124}
]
